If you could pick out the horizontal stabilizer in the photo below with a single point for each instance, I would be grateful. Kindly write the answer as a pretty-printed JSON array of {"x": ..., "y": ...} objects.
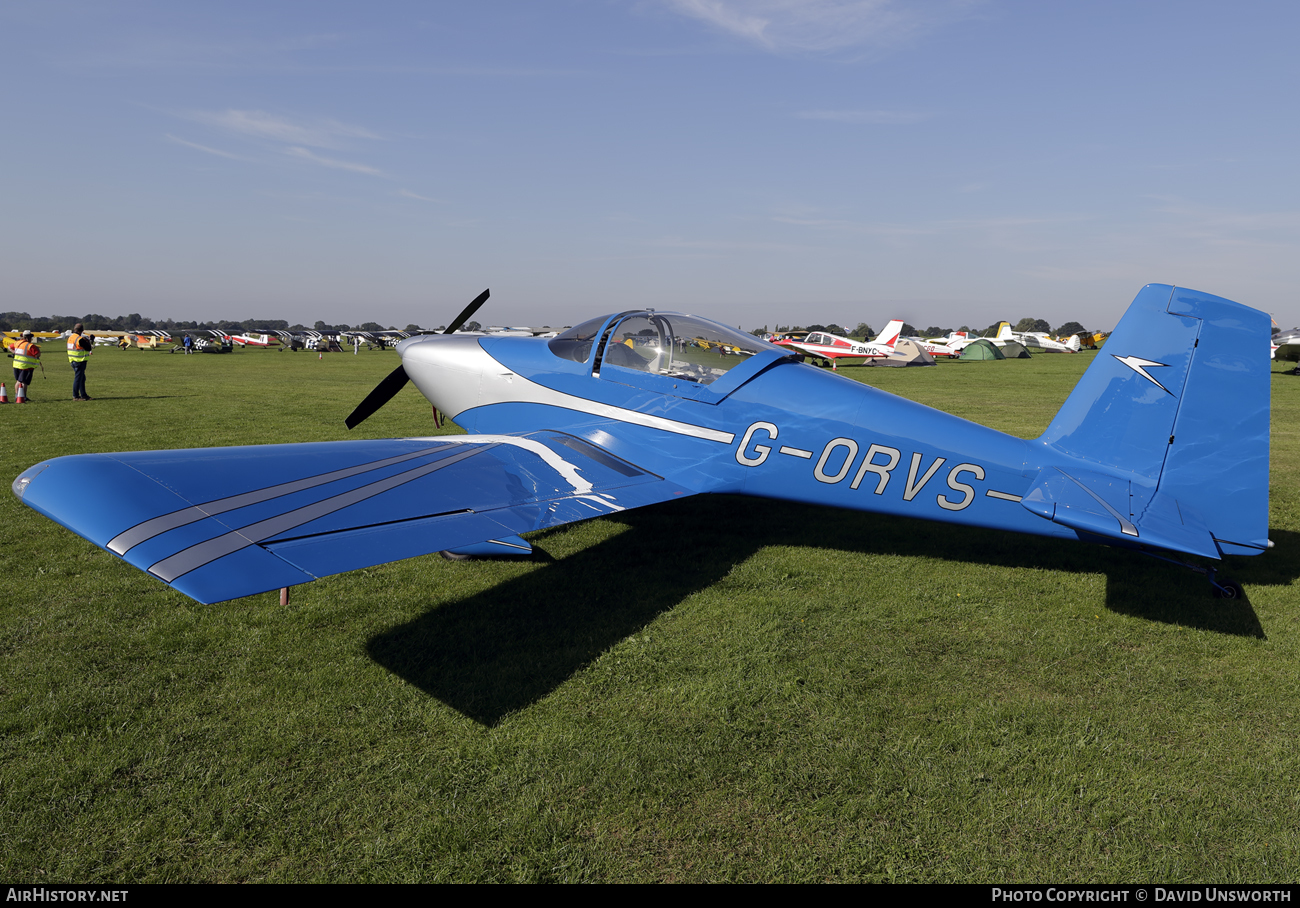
[
  {"x": 1091, "y": 502},
  {"x": 219, "y": 523},
  {"x": 1102, "y": 505}
]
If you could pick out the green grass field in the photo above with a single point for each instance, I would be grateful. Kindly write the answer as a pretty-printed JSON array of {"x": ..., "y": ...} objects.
[{"x": 716, "y": 689}]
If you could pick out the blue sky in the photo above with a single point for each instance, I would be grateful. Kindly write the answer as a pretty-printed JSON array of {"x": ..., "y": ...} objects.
[{"x": 800, "y": 161}]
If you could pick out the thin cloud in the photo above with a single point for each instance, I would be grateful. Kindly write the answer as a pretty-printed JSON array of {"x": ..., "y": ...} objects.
[
  {"x": 262, "y": 125},
  {"x": 1003, "y": 232},
  {"x": 822, "y": 25},
  {"x": 874, "y": 117},
  {"x": 722, "y": 15},
  {"x": 153, "y": 50},
  {"x": 878, "y": 229},
  {"x": 216, "y": 151},
  {"x": 711, "y": 248},
  {"x": 1088, "y": 272},
  {"x": 1222, "y": 223},
  {"x": 407, "y": 194},
  {"x": 299, "y": 152}
]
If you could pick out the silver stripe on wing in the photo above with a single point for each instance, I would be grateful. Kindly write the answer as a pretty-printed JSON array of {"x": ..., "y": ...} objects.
[
  {"x": 202, "y": 553},
  {"x": 142, "y": 532}
]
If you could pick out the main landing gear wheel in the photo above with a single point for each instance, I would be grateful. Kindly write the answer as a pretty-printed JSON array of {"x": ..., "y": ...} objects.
[
  {"x": 457, "y": 556},
  {"x": 1228, "y": 589}
]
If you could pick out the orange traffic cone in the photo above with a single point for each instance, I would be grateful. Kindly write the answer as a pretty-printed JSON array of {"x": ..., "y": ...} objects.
[
  {"x": 4, "y": 395},
  {"x": 20, "y": 396}
]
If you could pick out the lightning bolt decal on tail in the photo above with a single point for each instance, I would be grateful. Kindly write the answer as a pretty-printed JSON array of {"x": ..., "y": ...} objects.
[{"x": 1140, "y": 366}]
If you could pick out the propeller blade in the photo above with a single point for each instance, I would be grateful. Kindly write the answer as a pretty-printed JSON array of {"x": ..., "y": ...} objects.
[
  {"x": 382, "y": 394},
  {"x": 397, "y": 379},
  {"x": 468, "y": 313}
]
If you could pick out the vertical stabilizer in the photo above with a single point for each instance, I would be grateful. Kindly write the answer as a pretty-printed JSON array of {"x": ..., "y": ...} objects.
[
  {"x": 1178, "y": 401},
  {"x": 887, "y": 337}
]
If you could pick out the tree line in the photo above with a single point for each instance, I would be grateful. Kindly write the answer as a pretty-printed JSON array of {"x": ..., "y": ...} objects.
[
  {"x": 93, "y": 321},
  {"x": 10, "y": 321}
]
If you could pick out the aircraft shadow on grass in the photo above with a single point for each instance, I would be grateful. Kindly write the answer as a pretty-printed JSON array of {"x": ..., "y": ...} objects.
[{"x": 507, "y": 647}]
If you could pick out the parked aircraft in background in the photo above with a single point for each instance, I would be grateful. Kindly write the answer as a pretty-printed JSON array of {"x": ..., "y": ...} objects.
[
  {"x": 1035, "y": 340},
  {"x": 826, "y": 347},
  {"x": 1162, "y": 447},
  {"x": 949, "y": 347},
  {"x": 11, "y": 338},
  {"x": 150, "y": 340},
  {"x": 253, "y": 340},
  {"x": 1286, "y": 345},
  {"x": 103, "y": 338}
]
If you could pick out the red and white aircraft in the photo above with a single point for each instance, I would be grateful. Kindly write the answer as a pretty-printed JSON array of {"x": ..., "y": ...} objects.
[
  {"x": 253, "y": 340},
  {"x": 831, "y": 347}
]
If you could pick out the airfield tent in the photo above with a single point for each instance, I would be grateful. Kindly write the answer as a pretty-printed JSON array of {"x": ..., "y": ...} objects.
[
  {"x": 981, "y": 349},
  {"x": 906, "y": 353},
  {"x": 1014, "y": 350}
]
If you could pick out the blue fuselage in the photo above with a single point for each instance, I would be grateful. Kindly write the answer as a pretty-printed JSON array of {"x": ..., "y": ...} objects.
[{"x": 785, "y": 430}]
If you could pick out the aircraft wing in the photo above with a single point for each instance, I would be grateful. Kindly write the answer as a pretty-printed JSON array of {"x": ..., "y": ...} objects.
[
  {"x": 825, "y": 352},
  {"x": 220, "y": 523}
]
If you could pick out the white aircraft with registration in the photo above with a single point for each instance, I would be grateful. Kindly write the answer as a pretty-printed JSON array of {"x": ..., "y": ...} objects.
[{"x": 827, "y": 347}]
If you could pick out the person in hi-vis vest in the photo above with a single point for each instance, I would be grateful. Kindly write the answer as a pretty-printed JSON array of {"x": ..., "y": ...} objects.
[
  {"x": 79, "y": 347},
  {"x": 26, "y": 356}
]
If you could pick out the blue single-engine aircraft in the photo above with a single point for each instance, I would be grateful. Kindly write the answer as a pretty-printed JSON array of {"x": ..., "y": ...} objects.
[{"x": 1162, "y": 446}]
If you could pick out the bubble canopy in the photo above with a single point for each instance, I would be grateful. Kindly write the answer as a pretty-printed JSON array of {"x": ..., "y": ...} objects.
[{"x": 671, "y": 344}]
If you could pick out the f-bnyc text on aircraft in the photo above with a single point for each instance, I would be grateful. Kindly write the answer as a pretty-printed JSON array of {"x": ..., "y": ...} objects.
[{"x": 1162, "y": 446}]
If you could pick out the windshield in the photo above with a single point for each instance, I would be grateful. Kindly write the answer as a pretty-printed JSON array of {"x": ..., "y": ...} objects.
[
  {"x": 662, "y": 343},
  {"x": 575, "y": 344}
]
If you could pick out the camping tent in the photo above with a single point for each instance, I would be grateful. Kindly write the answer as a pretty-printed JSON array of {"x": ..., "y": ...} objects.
[
  {"x": 906, "y": 353},
  {"x": 981, "y": 349}
]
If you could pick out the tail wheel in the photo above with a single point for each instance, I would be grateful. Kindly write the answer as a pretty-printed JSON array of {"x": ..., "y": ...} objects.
[{"x": 1228, "y": 589}]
